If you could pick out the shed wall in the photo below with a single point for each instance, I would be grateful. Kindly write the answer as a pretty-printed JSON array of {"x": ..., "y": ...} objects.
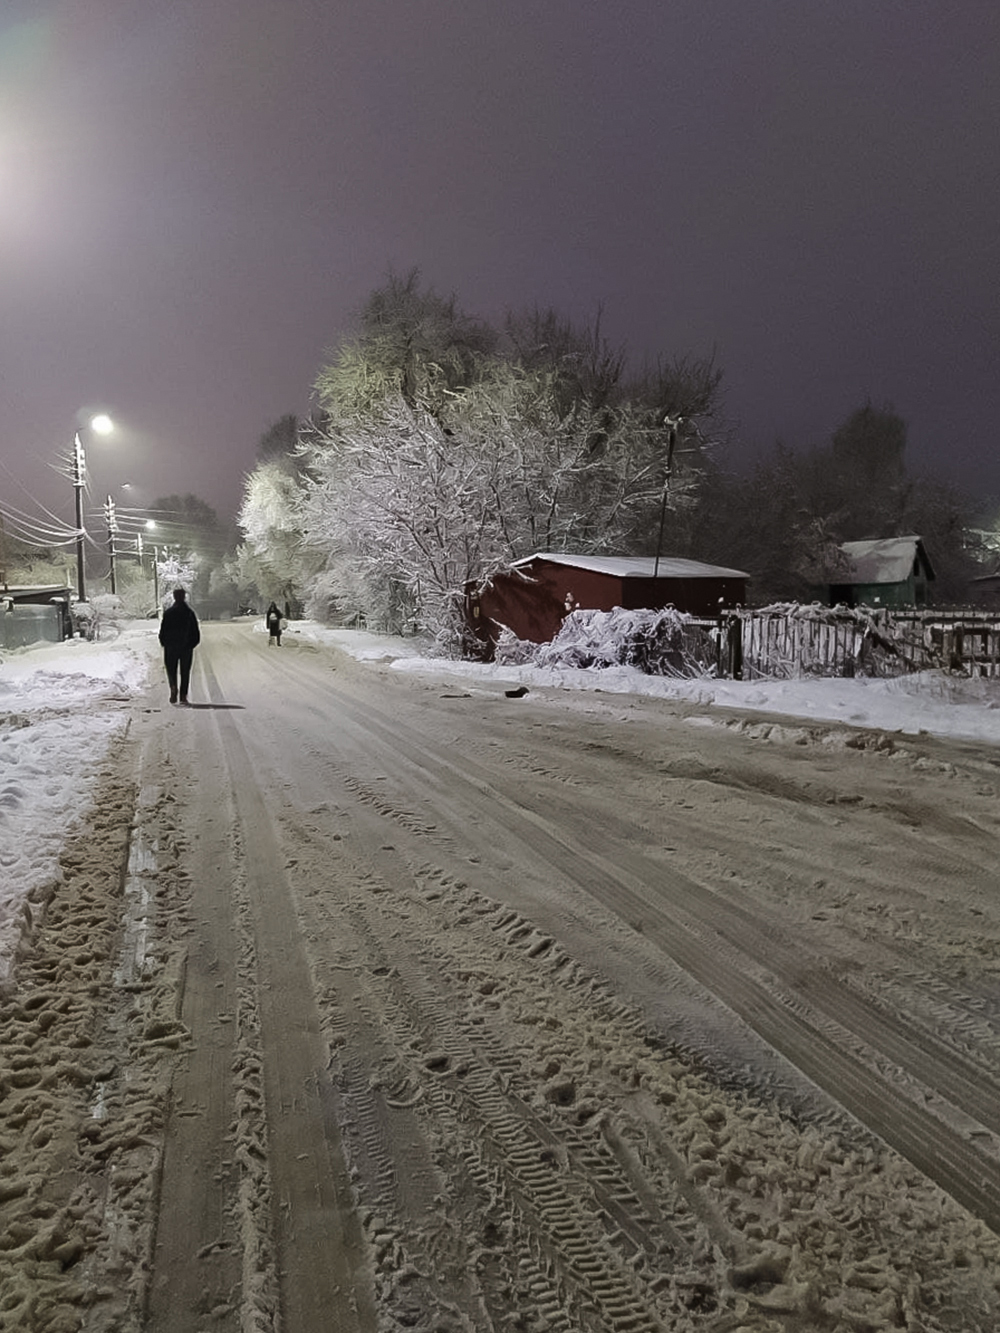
[
  {"x": 696, "y": 597},
  {"x": 911, "y": 592},
  {"x": 534, "y": 607},
  {"x": 25, "y": 624}
]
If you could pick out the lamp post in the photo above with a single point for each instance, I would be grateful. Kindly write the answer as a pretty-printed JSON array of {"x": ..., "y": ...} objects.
[{"x": 103, "y": 425}]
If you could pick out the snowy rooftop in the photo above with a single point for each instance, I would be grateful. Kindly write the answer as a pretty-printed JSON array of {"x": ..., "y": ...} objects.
[
  {"x": 34, "y": 590},
  {"x": 885, "y": 560},
  {"x": 637, "y": 566}
]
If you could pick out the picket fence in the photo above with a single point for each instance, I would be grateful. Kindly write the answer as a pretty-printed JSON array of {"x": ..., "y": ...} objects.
[{"x": 794, "y": 641}]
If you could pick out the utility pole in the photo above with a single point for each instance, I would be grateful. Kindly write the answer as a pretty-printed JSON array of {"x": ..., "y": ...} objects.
[
  {"x": 102, "y": 425},
  {"x": 112, "y": 522},
  {"x": 79, "y": 479},
  {"x": 671, "y": 424}
]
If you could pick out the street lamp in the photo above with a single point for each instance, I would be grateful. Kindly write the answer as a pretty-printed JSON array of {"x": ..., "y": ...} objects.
[{"x": 101, "y": 425}]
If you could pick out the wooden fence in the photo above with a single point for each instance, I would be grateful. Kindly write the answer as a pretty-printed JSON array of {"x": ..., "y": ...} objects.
[{"x": 796, "y": 641}]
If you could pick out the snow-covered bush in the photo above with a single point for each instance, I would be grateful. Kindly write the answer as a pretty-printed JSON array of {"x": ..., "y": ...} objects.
[
  {"x": 84, "y": 619},
  {"x": 658, "y": 643}
]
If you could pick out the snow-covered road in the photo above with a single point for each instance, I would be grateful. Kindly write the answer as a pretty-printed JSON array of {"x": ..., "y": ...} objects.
[{"x": 596, "y": 1009}]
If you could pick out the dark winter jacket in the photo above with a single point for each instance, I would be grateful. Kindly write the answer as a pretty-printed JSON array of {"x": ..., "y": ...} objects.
[{"x": 179, "y": 628}]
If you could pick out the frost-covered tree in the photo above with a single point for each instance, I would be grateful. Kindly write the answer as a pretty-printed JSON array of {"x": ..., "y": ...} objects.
[
  {"x": 173, "y": 571},
  {"x": 272, "y": 562},
  {"x": 578, "y": 363},
  {"x": 280, "y": 441},
  {"x": 409, "y": 342},
  {"x": 398, "y": 502},
  {"x": 420, "y": 502},
  {"x": 441, "y": 452},
  {"x": 189, "y": 529}
]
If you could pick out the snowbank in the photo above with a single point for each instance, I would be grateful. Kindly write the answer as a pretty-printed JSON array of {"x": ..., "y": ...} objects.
[
  {"x": 931, "y": 702},
  {"x": 60, "y": 708}
]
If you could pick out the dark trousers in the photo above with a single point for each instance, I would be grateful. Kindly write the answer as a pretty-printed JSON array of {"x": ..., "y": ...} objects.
[{"x": 178, "y": 659}]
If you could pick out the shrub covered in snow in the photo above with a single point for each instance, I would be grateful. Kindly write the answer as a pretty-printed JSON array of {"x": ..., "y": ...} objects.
[{"x": 658, "y": 643}]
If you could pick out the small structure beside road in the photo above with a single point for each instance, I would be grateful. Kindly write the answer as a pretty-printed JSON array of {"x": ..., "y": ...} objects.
[
  {"x": 533, "y": 597},
  {"x": 34, "y": 613},
  {"x": 890, "y": 572}
]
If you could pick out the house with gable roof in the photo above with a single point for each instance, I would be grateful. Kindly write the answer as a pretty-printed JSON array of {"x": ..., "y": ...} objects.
[{"x": 892, "y": 572}]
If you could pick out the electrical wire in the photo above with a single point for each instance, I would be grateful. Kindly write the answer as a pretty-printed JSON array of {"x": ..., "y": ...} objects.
[
  {"x": 43, "y": 509},
  {"x": 30, "y": 530}
]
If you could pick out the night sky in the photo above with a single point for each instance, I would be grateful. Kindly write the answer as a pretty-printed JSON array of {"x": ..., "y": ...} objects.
[{"x": 197, "y": 196}]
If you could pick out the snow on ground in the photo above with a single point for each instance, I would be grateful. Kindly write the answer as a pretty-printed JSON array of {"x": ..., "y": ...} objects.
[
  {"x": 931, "y": 702},
  {"x": 60, "y": 708},
  {"x": 61, "y": 705}
]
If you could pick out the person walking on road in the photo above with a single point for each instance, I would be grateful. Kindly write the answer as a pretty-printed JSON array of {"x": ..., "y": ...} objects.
[
  {"x": 273, "y": 619},
  {"x": 180, "y": 635}
]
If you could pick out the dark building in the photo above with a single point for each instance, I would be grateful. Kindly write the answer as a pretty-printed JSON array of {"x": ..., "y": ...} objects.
[
  {"x": 535, "y": 594},
  {"x": 985, "y": 590},
  {"x": 34, "y": 614},
  {"x": 893, "y": 572}
]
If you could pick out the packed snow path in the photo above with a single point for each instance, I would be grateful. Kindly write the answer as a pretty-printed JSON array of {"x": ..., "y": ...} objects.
[{"x": 453, "y": 1010}]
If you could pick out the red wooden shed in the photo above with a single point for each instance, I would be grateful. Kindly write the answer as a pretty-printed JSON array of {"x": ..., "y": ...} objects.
[{"x": 533, "y": 596}]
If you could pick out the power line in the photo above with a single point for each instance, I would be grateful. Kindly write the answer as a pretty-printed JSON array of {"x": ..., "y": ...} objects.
[{"x": 29, "y": 529}]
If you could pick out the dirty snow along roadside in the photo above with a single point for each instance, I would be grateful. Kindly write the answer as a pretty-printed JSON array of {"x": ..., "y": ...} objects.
[
  {"x": 931, "y": 701},
  {"x": 61, "y": 706}
]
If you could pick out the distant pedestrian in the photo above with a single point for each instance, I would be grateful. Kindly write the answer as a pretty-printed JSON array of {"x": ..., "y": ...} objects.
[
  {"x": 180, "y": 635},
  {"x": 273, "y": 620}
]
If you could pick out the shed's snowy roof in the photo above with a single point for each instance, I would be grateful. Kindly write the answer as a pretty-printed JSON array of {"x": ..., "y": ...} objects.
[
  {"x": 16, "y": 590},
  {"x": 636, "y": 566},
  {"x": 884, "y": 560}
]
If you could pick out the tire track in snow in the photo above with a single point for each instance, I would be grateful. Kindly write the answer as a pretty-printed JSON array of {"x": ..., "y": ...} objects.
[
  {"x": 306, "y": 1168},
  {"x": 949, "y": 1158}
]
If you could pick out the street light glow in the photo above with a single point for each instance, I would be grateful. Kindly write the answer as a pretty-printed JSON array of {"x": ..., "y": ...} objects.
[{"x": 100, "y": 425}]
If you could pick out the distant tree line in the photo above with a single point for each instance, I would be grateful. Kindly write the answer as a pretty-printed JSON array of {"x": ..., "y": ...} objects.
[
  {"x": 784, "y": 522},
  {"x": 186, "y": 540},
  {"x": 441, "y": 449}
]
